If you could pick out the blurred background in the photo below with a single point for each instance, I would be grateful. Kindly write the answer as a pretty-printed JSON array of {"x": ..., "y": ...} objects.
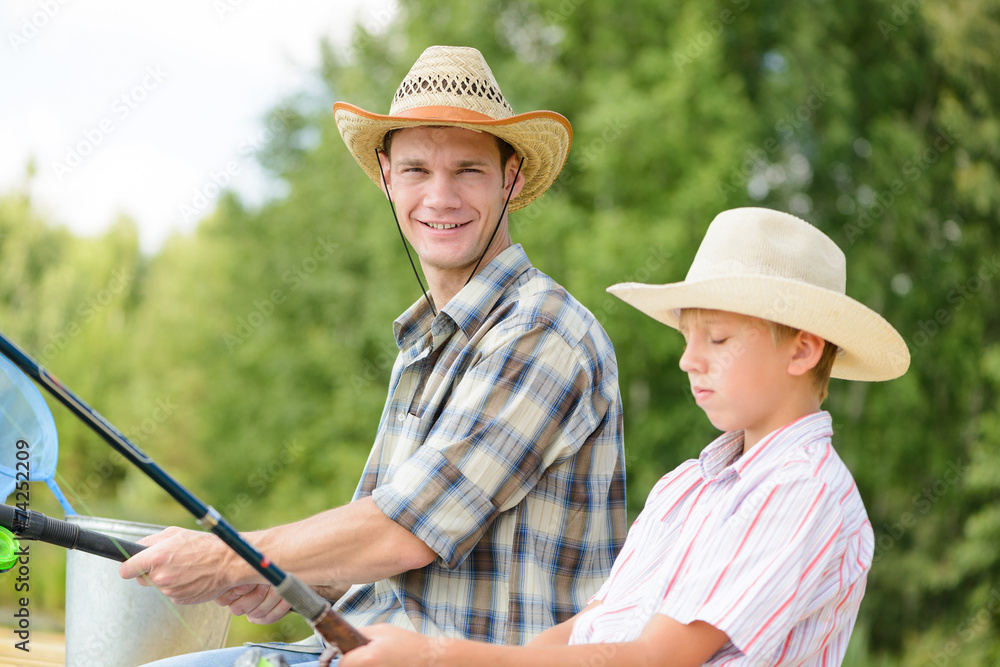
[{"x": 245, "y": 343}]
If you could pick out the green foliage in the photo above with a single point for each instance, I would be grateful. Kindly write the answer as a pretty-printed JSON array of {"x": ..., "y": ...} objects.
[{"x": 250, "y": 359}]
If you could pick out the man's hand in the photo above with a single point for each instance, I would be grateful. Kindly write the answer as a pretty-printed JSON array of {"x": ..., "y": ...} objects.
[
  {"x": 262, "y": 605},
  {"x": 188, "y": 566},
  {"x": 259, "y": 602},
  {"x": 352, "y": 544}
]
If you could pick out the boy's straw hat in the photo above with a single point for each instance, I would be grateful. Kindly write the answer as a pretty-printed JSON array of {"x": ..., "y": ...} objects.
[
  {"x": 775, "y": 266},
  {"x": 453, "y": 86}
]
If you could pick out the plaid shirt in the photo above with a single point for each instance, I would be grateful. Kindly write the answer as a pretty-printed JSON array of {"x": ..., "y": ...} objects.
[{"x": 500, "y": 446}]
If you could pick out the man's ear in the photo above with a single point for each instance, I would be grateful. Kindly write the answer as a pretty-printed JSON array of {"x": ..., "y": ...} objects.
[
  {"x": 512, "y": 168},
  {"x": 807, "y": 349},
  {"x": 385, "y": 165}
]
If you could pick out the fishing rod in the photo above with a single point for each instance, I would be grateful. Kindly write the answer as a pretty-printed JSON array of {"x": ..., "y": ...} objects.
[
  {"x": 303, "y": 600},
  {"x": 31, "y": 525}
]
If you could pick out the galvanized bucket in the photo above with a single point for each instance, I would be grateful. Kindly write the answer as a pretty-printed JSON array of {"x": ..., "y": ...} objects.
[{"x": 117, "y": 623}]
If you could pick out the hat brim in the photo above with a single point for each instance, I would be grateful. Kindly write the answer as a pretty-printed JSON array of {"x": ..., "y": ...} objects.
[
  {"x": 542, "y": 138},
  {"x": 871, "y": 349}
]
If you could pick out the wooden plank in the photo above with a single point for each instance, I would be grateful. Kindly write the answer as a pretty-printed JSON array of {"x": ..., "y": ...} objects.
[{"x": 47, "y": 649}]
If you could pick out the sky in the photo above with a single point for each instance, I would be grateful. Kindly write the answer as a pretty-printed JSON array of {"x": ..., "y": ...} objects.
[{"x": 146, "y": 108}]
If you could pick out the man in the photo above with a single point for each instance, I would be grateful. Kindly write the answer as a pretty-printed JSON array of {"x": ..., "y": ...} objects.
[{"x": 492, "y": 504}]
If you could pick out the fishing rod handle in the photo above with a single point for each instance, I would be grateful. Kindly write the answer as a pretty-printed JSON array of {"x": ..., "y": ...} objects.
[
  {"x": 32, "y": 525},
  {"x": 330, "y": 625}
]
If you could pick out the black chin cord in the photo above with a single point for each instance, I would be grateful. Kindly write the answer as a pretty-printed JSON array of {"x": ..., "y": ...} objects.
[
  {"x": 406, "y": 247},
  {"x": 497, "y": 228},
  {"x": 403, "y": 238}
]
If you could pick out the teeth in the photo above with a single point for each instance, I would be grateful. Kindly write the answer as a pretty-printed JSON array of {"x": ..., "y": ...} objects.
[{"x": 436, "y": 226}]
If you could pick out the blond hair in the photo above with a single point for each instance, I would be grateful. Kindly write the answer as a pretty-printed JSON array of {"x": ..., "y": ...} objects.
[{"x": 821, "y": 371}]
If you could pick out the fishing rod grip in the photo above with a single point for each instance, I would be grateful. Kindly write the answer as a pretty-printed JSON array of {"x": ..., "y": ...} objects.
[
  {"x": 319, "y": 612},
  {"x": 32, "y": 525}
]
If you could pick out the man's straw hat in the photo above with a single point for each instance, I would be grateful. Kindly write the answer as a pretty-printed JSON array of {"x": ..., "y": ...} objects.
[
  {"x": 777, "y": 267},
  {"x": 453, "y": 86}
]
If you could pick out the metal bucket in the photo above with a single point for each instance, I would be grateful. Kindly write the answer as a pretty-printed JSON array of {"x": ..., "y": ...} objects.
[{"x": 117, "y": 623}]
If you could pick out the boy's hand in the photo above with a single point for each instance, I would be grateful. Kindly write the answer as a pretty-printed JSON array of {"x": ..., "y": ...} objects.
[{"x": 391, "y": 646}]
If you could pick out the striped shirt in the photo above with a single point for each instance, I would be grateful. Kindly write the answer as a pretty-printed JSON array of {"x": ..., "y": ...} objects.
[
  {"x": 773, "y": 548},
  {"x": 500, "y": 447}
]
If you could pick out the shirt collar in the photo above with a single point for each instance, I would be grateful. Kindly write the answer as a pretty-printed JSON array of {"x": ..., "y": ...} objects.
[
  {"x": 725, "y": 451},
  {"x": 720, "y": 454},
  {"x": 468, "y": 309}
]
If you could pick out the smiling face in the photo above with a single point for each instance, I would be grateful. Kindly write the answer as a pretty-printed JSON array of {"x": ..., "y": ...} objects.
[
  {"x": 449, "y": 190},
  {"x": 742, "y": 378}
]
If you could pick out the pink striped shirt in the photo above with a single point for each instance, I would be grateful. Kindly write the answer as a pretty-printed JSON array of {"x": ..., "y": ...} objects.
[{"x": 773, "y": 548}]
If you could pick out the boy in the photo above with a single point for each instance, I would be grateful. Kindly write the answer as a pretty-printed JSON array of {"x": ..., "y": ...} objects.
[{"x": 757, "y": 552}]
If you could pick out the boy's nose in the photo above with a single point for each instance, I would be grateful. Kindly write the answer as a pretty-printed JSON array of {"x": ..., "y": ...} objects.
[{"x": 691, "y": 361}]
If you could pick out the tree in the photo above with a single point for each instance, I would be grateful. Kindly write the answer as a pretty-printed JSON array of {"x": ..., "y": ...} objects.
[{"x": 268, "y": 331}]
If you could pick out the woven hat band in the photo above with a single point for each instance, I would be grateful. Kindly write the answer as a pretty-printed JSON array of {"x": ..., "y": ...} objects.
[
  {"x": 444, "y": 113},
  {"x": 451, "y": 76}
]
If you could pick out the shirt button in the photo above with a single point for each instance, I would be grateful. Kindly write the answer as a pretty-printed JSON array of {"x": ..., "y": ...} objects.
[{"x": 402, "y": 417}]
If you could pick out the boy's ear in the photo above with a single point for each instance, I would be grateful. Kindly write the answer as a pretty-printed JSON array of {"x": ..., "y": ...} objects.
[{"x": 807, "y": 349}]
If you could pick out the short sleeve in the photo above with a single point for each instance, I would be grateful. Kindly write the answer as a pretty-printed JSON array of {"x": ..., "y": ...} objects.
[
  {"x": 758, "y": 573},
  {"x": 517, "y": 410}
]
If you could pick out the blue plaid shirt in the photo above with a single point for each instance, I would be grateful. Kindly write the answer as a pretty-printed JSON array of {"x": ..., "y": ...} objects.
[{"x": 500, "y": 446}]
